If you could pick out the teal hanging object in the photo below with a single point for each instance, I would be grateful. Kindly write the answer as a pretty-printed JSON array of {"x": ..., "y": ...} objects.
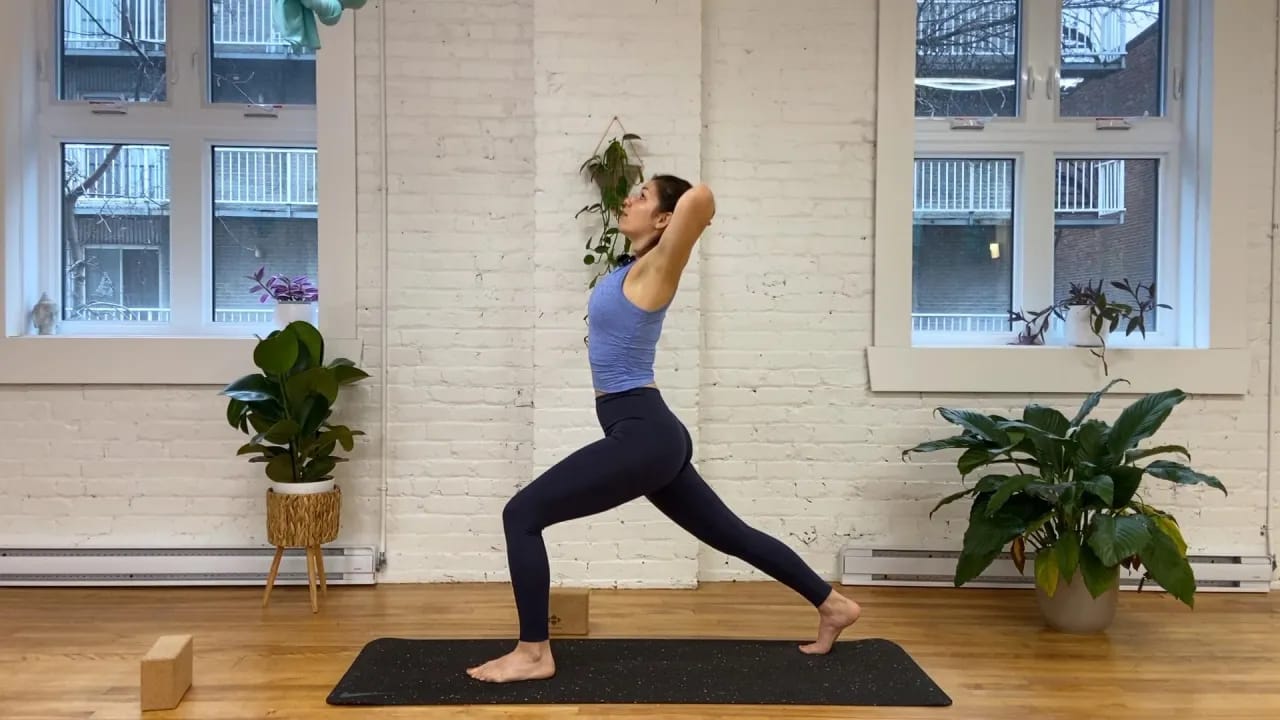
[{"x": 295, "y": 20}]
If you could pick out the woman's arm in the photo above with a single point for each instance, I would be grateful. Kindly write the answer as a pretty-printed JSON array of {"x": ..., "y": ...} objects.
[{"x": 692, "y": 215}]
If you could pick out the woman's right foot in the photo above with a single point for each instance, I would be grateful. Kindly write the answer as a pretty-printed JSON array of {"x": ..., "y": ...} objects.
[
  {"x": 529, "y": 661},
  {"x": 835, "y": 614}
]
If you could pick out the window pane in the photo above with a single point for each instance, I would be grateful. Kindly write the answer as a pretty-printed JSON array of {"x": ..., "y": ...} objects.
[
  {"x": 115, "y": 233},
  {"x": 1112, "y": 54},
  {"x": 113, "y": 50},
  {"x": 251, "y": 62},
  {"x": 967, "y": 57},
  {"x": 264, "y": 216},
  {"x": 962, "y": 245},
  {"x": 1105, "y": 226}
]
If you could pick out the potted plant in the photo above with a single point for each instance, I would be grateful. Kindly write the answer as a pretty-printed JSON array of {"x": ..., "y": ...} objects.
[
  {"x": 295, "y": 296},
  {"x": 286, "y": 409},
  {"x": 1066, "y": 491},
  {"x": 1088, "y": 311},
  {"x": 614, "y": 173}
]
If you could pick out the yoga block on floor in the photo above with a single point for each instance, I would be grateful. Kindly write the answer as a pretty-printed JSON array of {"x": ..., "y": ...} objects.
[
  {"x": 570, "y": 609},
  {"x": 166, "y": 672}
]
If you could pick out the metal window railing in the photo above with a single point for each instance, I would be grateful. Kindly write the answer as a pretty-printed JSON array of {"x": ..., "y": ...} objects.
[{"x": 98, "y": 24}]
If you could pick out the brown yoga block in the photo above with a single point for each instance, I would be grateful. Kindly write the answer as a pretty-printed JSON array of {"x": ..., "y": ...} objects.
[
  {"x": 569, "y": 611},
  {"x": 166, "y": 672}
]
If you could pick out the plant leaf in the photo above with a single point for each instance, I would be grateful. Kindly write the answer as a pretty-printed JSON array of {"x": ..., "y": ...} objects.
[
  {"x": 1113, "y": 538},
  {"x": 1098, "y": 578},
  {"x": 1125, "y": 480},
  {"x": 987, "y": 535},
  {"x": 1019, "y": 552},
  {"x": 1169, "y": 567},
  {"x": 1047, "y": 571},
  {"x": 981, "y": 425},
  {"x": 252, "y": 388},
  {"x": 311, "y": 339},
  {"x": 1068, "y": 551},
  {"x": 1092, "y": 401},
  {"x": 277, "y": 353},
  {"x": 1135, "y": 455},
  {"x": 973, "y": 458},
  {"x": 1182, "y": 475},
  {"x": 282, "y": 432},
  {"x": 1101, "y": 486},
  {"x": 1011, "y": 485},
  {"x": 951, "y": 498},
  {"x": 1169, "y": 526},
  {"x": 955, "y": 441},
  {"x": 280, "y": 468},
  {"x": 1140, "y": 420}
]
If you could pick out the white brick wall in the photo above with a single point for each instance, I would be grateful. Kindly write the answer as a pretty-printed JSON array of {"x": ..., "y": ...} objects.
[{"x": 494, "y": 105}]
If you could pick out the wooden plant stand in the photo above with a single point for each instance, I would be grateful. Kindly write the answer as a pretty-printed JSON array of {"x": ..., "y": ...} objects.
[{"x": 305, "y": 521}]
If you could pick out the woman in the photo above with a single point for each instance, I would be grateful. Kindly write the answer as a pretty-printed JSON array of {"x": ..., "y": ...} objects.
[{"x": 646, "y": 450}]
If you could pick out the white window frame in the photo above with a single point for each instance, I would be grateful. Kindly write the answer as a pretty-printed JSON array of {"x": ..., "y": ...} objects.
[
  {"x": 201, "y": 352},
  {"x": 1205, "y": 350}
]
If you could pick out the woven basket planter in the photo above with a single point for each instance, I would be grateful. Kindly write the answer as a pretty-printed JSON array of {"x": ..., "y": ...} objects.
[
  {"x": 306, "y": 521},
  {"x": 303, "y": 520}
]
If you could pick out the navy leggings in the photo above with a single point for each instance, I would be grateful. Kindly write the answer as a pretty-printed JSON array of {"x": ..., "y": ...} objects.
[{"x": 646, "y": 451}]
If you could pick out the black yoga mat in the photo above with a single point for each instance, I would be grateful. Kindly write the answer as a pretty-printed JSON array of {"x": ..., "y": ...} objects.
[{"x": 392, "y": 671}]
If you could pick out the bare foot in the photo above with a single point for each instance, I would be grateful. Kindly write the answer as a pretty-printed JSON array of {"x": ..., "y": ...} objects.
[
  {"x": 529, "y": 661},
  {"x": 834, "y": 615}
]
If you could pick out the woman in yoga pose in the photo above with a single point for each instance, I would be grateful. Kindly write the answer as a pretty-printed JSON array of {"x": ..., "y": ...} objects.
[{"x": 646, "y": 450}]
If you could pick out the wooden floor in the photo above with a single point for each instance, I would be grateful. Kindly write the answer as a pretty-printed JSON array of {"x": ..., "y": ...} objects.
[{"x": 73, "y": 653}]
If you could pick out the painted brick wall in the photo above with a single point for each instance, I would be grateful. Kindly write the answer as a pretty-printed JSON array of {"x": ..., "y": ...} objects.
[{"x": 494, "y": 105}]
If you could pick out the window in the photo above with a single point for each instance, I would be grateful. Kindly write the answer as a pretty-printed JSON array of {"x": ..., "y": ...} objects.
[
  {"x": 1048, "y": 152},
  {"x": 182, "y": 139},
  {"x": 1068, "y": 142}
]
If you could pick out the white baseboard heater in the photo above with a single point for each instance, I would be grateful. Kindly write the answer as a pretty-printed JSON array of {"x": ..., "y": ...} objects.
[
  {"x": 936, "y": 568},
  {"x": 121, "y": 567}
]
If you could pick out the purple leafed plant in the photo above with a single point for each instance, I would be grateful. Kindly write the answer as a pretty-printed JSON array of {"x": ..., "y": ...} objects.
[{"x": 283, "y": 288}]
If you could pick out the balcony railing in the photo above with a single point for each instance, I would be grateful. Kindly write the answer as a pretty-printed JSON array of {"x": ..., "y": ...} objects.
[
  {"x": 138, "y": 178},
  {"x": 953, "y": 28},
  {"x": 109, "y": 312},
  {"x": 962, "y": 187},
  {"x": 960, "y": 322},
  {"x": 238, "y": 25}
]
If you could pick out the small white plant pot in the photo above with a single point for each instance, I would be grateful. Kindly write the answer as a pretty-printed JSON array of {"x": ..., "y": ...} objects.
[
  {"x": 287, "y": 312},
  {"x": 1078, "y": 330},
  {"x": 303, "y": 488}
]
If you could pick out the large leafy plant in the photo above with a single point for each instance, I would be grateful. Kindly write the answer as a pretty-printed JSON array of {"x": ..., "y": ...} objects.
[
  {"x": 285, "y": 409},
  {"x": 1070, "y": 490}
]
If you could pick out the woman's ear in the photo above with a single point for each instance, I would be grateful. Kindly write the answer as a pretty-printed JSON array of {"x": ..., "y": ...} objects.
[{"x": 663, "y": 220}]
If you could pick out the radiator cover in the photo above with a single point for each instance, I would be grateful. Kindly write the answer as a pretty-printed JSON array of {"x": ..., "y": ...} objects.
[{"x": 117, "y": 567}]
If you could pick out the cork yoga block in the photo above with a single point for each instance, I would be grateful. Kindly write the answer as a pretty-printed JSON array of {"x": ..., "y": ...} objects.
[
  {"x": 166, "y": 672},
  {"x": 569, "y": 611}
]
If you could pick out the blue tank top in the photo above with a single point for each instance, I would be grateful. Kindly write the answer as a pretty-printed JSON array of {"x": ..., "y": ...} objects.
[{"x": 622, "y": 339}]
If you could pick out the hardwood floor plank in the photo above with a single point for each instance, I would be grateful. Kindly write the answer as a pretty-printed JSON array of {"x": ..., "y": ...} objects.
[{"x": 74, "y": 652}]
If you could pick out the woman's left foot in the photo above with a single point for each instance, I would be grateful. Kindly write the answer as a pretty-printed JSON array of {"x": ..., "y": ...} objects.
[
  {"x": 529, "y": 661},
  {"x": 834, "y": 615}
]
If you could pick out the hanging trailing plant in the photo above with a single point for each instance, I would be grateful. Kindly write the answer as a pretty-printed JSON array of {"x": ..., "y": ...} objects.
[{"x": 614, "y": 174}]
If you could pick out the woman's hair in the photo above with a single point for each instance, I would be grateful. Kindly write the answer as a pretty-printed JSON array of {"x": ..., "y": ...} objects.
[{"x": 670, "y": 188}]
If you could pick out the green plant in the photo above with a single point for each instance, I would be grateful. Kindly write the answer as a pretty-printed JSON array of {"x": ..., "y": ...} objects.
[
  {"x": 614, "y": 175},
  {"x": 1104, "y": 312},
  {"x": 1072, "y": 495},
  {"x": 286, "y": 407}
]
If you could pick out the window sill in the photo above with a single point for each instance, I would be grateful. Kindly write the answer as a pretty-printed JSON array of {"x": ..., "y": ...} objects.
[
  {"x": 1056, "y": 369},
  {"x": 62, "y": 359}
]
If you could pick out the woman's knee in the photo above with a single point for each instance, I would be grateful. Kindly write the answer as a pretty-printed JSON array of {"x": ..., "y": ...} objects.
[{"x": 520, "y": 513}]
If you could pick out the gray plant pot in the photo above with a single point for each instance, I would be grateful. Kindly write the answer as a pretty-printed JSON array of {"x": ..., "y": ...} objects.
[{"x": 1073, "y": 610}]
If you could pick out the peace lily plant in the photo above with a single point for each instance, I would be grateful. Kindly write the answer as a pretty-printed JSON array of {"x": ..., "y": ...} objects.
[{"x": 1069, "y": 490}]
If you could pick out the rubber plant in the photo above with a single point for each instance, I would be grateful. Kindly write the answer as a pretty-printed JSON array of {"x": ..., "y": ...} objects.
[
  {"x": 1069, "y": 490},
  {"x": 614, "y": 175},
  {"x": 286, "y": 408}
]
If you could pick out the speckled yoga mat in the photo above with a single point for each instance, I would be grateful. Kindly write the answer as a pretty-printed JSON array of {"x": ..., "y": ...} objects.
[{"x": 391, "y": 671}]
